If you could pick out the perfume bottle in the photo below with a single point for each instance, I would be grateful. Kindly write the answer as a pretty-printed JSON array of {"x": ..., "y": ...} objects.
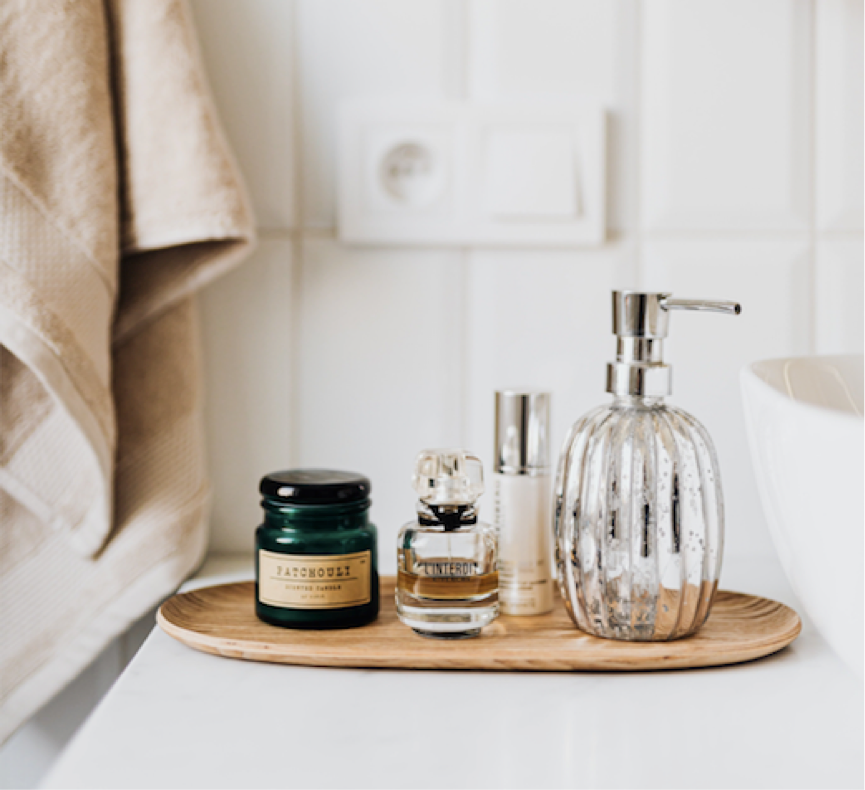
[
  {"x": 521, "y": 494},
  {"x": 447, "y": 584},
  {"x": 639, "y": 512}
]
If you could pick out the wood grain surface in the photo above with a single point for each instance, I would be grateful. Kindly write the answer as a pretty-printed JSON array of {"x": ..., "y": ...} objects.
[{"x": 221, "y": 620}]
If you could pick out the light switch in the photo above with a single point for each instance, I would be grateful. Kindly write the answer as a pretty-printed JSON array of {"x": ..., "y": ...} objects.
[{"x": 530, "y": 173}]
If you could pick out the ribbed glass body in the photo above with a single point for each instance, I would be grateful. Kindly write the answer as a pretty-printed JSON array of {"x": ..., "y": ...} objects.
[
  {"x": 319, "y": 561},
  {"x": 639, "y": 522}
]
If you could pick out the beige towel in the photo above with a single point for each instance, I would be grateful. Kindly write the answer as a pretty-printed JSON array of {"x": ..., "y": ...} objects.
[{"x": 118, "y": 200}]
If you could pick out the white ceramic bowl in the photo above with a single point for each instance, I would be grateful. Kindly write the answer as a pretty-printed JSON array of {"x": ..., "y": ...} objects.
[{"x": 805, "y": 428}]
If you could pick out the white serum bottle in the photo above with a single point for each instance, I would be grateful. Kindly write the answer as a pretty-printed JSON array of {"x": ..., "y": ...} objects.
[{"x": 522, "y": 495}]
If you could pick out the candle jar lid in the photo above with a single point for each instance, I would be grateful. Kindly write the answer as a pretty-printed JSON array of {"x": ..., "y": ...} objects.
[{"x": 315, "y": 487}]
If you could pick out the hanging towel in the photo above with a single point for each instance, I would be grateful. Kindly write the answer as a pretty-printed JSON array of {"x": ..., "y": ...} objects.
[{"x": 118, "y": 201}]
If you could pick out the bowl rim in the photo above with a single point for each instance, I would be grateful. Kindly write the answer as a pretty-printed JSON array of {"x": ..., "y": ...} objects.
[{"x": 749, "y": 373}]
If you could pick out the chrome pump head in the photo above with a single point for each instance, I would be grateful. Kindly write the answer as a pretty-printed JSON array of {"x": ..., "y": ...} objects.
[{"x": 640, "y": 323}]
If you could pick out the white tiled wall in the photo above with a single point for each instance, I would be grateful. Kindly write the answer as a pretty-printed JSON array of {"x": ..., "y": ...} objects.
[
  {"x": 725, "y": 115},
  {"x": 380, "y": 365},
  {"x": 735, "y": 170},
  {"x": 250, "y": 53},
  {"x": 838, "y": 294},
  {"x": 838, "y": 114}
]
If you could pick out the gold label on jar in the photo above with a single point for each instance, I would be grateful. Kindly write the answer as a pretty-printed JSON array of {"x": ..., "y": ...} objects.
[{"x": 314, "y": 581}]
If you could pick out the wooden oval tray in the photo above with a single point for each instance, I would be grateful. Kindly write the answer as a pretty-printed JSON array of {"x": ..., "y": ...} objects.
[{"x": 221, "y": 620}]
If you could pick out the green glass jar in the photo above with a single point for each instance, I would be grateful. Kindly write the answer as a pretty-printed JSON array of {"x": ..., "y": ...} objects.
[{"x": 316, "y": 551}]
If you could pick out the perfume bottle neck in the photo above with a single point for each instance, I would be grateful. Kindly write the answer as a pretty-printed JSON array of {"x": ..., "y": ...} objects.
[{"x": 450, "y": 517}]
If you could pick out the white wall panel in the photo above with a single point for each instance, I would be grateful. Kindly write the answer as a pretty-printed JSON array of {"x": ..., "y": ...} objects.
[
  {"x": 536, "y": 48},
  {"x": 707, "y": 351},
  {"x": 540, "y": 319},
  {"x": 840, "y": 286},
  {"x": 554, "y": 49},
  {"x": 360, "y": 47},
  {"x": 380, "y": 374},
  {"x": 247, "y": 332},
  {"x": 725, "y": 115},
  {"x": 248, "y": 52},
  {"x": 839, "y": 114}
]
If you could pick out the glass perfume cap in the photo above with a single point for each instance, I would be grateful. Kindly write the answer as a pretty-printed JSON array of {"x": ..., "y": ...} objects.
[{"x": 448, "y": 477}]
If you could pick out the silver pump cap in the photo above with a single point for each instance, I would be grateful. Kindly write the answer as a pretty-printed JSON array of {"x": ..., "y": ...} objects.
[
  {"x": 640, "y": 323},
  {"x": 522, "y": 432}
]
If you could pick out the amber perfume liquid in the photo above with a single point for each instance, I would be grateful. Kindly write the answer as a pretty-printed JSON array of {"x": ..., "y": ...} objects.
[{"x": 454, "y": 588}]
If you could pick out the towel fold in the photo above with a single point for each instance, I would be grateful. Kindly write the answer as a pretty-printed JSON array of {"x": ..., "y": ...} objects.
[{"x": 118, "y": 201}]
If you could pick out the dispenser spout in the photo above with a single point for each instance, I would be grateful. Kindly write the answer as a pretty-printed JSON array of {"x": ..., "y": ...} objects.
[{"x": 702, "y": 305}]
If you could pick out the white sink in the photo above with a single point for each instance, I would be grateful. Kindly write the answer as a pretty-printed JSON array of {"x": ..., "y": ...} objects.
[{"x": 805, "y": 428}]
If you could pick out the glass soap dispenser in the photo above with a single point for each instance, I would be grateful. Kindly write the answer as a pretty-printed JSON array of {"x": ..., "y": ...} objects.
[
  {"x": 447, "y": 584},
  {"x": 639, "y": 514}
]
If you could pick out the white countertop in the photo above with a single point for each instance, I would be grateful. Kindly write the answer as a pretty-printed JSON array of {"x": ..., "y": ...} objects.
[{"x": 180, "y": 718}]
